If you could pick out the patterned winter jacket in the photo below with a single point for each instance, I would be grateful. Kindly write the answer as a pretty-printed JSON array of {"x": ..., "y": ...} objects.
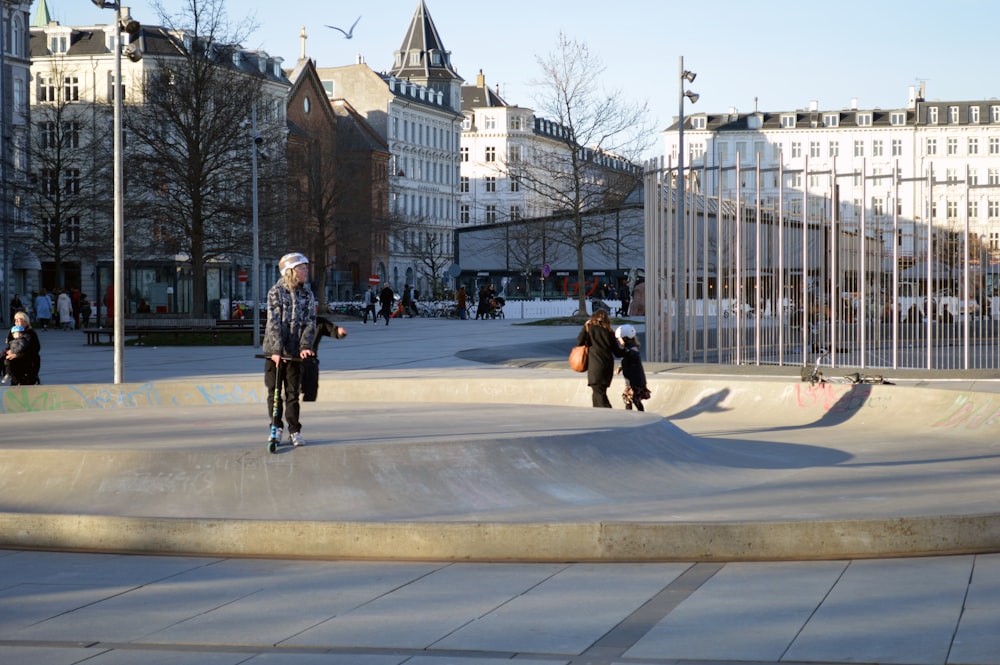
[{"x": 291, "y": 320}]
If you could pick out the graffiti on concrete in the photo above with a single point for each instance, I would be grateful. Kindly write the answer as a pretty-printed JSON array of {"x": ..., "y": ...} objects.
[
  {"x": 970, "y": 412},
  {"x": 24, "y": 399}
]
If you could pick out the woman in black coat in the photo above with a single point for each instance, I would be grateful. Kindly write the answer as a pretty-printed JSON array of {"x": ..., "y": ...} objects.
[{"x": 604, "y": 348}]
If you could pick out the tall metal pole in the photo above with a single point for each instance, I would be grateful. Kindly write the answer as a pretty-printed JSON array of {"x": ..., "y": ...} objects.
[
  {"x": 254, "y": 276},
  {"x": 680, "y": 277},
  {"x": 119, "y": 220}
]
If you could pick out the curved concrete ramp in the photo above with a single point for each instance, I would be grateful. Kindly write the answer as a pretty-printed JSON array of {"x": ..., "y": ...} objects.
[{"x": 742, "y": 470}]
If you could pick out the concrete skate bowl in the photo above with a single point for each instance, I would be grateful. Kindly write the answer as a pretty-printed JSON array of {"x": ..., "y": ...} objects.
[{"x": 464, "y": 468}]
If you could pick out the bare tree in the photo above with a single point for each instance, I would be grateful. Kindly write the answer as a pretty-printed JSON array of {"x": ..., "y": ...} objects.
[
  {"x": 588, "y": 161},
  {"x": 189, "y": 157},
  {"x": 70, "y": 153},
  {"x": 426, "y": 244}
]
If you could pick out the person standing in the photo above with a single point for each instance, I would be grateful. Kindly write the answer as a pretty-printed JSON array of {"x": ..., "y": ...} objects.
[
  {"x": 290, "y": 332},
  {"x": 43, "y": 309},
  {"x": 386, "y": 298},
  {"x": 15, "y": 306},
  {"x": 461, "y": 301},
  {"x": 85, "y": 311},
  {"x": 604, "y": 348},
  {"x": 368, "y": 300},
  {"x": 64, "y": 307},
  {"x": 24, "y": 360}
]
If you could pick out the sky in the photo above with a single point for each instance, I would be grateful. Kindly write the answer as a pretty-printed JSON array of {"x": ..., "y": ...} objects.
[{"x": 774, "y": 56}]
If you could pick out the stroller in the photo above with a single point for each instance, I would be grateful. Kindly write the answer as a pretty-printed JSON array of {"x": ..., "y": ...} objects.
[{"x": 496, "y": 307}]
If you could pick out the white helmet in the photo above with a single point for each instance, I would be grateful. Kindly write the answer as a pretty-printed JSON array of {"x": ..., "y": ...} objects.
[
  {"x": 291, "y": 260},
  {"x": 626, "y": 331}
]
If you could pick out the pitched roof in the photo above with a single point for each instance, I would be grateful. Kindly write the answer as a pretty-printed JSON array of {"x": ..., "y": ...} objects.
[{"x": 422, "y": 55}]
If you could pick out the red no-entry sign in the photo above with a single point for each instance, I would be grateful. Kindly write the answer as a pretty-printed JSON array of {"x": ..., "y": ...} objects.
[{"x": 373, "y": 280}]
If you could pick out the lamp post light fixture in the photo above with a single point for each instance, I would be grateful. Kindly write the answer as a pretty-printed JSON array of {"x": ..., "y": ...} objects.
[
  {"x": 681, "y": 189},
  {"x": 123, "y": 21}
]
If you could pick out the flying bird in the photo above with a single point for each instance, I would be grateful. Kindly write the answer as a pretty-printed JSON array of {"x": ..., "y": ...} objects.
[{"x": 347, "y": 34}]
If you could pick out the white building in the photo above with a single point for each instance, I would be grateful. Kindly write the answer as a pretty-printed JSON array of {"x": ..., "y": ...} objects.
[
  {"x": 929, "y": 163},
  {"x": 72, "y": 99}
]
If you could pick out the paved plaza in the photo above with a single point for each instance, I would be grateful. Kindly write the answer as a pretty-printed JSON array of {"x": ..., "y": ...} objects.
[{"x": 432, "y": 427}]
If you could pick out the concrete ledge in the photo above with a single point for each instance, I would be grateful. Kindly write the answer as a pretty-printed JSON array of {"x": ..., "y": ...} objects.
[{"x": 491, "y": 541}]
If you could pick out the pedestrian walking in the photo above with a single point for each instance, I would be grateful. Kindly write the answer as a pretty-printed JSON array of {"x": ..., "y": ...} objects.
[
  {"x": 604, "y": 348},
  {"x": 386, "y": 298}
]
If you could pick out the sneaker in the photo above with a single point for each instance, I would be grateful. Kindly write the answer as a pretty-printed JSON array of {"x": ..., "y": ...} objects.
[
  {"x": 297, "y": 439},
  {"x": 6, "y": 379},
  {"x": 278, "y": 433}
]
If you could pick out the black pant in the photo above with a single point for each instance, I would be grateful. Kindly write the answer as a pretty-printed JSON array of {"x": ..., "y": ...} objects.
[
  {"x": 288, "y": 407},
  {"x": 599, "y": 396},
  {"x": 370, "y": 308}
]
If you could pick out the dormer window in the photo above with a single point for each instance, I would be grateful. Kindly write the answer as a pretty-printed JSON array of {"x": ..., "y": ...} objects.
[
  {"x": 788, "y": 121},
  {"x": 699, "y": 122},
  {"x": 897, "y": 118},
  {"x": 932, "y": 115},
  {"x": 831, "y": 120},
  {"x": 864, "y": 120},
  {"x": 754, "y": 121},
  {"x": 59, "y": 44}
]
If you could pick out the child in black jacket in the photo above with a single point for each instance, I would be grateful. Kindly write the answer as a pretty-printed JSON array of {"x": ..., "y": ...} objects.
[{"x": 636, "y": 389}]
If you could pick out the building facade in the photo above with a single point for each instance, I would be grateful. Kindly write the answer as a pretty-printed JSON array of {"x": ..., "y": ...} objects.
[
  {"x": 72, "y": 100},
  {"x": 415, "y": 107},
  {"x": 19, "y": 266}
]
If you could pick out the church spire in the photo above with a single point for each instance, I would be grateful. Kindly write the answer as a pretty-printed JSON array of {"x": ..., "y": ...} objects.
[
  {"x": 423, "y": 59},
  {"x": 42, "y": 17}
]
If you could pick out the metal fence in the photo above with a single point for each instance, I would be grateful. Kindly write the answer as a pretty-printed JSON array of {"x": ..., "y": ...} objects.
[{"x": 783, "y": 276}]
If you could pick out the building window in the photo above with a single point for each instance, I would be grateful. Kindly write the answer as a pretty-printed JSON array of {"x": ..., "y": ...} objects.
[
  {"x": 897, "y": 147},
  {"x": 932, "y": 115},
  {"x": 952, "y": 146},
  {"x": 48, "y": 135},
  {"x": 974, "y": 115},
  {"x": 514, "y": 153},
  {"x": 995, "y": 145},
  {"x": 463, "y": 185},
  {"x": 788, "y": 121},
  {"x": 71, "y": 89},
  {"x": 995, "y": 114},
  {"x": 515, "y": 212},
  {"x": 814, "y": 149},
  {"x": 71, "y": 182},
  {"x": 58, "y": 44},
  {"x": 897, "y": 118},
  {"x": 796, "y": 149},
  {"x": 490, "y": 122},
  {"x": 994, "y": 209},
  {"x": 463, "y": 214},
  {"x": 491, "y": 154},
  {"x": 859, "y": 148},
  {"x": 864, "y": 120},
  {"x": 831, "y": 120},
  {"x": 834, "y": 149},
  {"x": 877, "y": 149},
  {"x": 491, "y": 183},
  {"x": 952, "y": 209},
  {"x": 973, "y": 177},
  {"x": 953, "y": 115},
  {"x": 72, "y": 229},
  {"x": 467, "y": 123},
  {"x": 515, "y": 183},
  {"x": 973, "y": 146},
  {"x": 993, "y": 176},
  {"x": 491, "y": 214},
  {"x": 516, "y": 123},
  {"x": 71, "y": 134},
  {"x": 699, "y": 122},
  {"x": 951, "y": 176},
  {"x": 465, "y": 154},
  {"x": 931, "y": 147},
  {"x": 46, "y": 89}
]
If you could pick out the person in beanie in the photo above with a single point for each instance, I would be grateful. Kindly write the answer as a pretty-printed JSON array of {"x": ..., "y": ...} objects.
[{"x": 289, "y": 333}]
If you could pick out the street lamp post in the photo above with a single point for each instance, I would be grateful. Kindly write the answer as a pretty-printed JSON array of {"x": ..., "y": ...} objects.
[
  {"x": 131, "y": 26},
  {"x": 255, "y": 277},
  {"x": 680, "y": 273}
]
